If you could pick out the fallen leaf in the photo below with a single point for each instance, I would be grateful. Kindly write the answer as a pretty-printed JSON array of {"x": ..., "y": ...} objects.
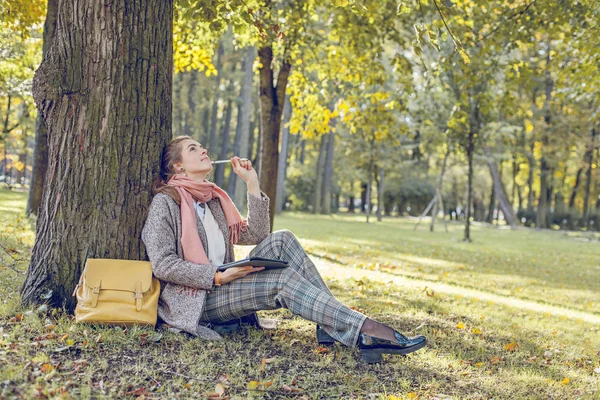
[
  {"x": 460, "y": 325},
  {"x": 479, "y": 364},
  {"x": 476, "y": 331},
  {"x": 46, "y": 368},
  {"x": 219, "y": 389},
  {"x": 565, "y": 381},
  {"x": 513, "y": 346},
  {"x": 321, "y": 350},
  {"x": 252, "y": 385}
]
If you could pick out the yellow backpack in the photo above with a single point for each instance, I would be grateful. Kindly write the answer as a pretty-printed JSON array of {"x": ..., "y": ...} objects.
[{"x": 117, "y": 292}]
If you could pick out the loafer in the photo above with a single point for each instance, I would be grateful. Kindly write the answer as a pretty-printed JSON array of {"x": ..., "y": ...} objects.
[
  {"x": 372, "y": 349},
  {"x": 324, "y": 338}
]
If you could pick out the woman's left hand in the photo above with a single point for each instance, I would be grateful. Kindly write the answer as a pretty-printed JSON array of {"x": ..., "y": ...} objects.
[{"x": 243, "y": 169}]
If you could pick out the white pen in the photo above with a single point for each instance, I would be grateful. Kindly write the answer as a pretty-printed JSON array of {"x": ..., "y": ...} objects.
[{"x": 226, "y": 161}]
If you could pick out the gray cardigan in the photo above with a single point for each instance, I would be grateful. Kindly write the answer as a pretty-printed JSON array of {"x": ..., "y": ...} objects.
[{"x": 184, "y": 284}]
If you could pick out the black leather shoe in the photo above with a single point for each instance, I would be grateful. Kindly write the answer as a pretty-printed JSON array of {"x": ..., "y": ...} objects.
[
  {"x": 372, "y": 348},
  {"x": 324, "y": 338}
]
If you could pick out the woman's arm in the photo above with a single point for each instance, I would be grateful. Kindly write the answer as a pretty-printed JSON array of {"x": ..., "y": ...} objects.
[
  {"x": 159, "y": 238},
  {"x": 258, "y": 221}
]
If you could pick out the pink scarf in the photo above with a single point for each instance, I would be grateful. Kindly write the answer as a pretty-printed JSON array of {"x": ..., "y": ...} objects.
[{"x": 189, "y": 190}]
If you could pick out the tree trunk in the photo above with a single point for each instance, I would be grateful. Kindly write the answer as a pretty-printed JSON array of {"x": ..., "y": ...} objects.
[
  {"x": 283, "y": 159},
  {"x": 470, "y": 151},
  {"x": 242, "y": 136},
  {"x": 438, "y": 192},
  {"x": 105, "y": 95},
  {"x": 588, "y": 180},
  {"x": 499, "y": 192},
  {"x": 328, "y": 173},
  {"x": 489, "y": 218},
  {"x": 212, "y": 138},
  {"x": 380, "y": 187},
  {"x": 302, "y": 151},
  {"x": 191, "y": 127},
  {"x": 40, "y": 153},
  {"x": 369, "y": 187},
  {"x": 271, "y": 109},
  {"x": 576, "y": 186},
  {"x": 542, "y": 210},
  {"x": 318, "y": 191},
  {"x": 351, "y": 208},
  {"x": 225, "y": 134},
  {"x": 220, "y": 169}
]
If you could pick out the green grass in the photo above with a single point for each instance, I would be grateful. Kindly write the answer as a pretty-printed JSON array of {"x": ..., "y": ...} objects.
[{"x": 479, "y": 346}]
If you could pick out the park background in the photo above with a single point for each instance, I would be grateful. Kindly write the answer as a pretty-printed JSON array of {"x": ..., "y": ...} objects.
[{"x": 359, "y": 117}]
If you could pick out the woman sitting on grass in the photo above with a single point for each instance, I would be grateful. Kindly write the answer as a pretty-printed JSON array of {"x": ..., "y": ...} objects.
[{"x": 191, "y": 228}]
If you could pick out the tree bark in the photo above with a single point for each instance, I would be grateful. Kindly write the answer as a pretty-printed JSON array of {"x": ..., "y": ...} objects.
[
  {"x": 499, "y": 192},
  {"x": 40, "y": 153},
  {"x": 241, "y": 147},
  {"x": 283, "y": 158},
  {"x": 105, "y": 95},
  {"x": 351, "y": 204},
  {"x": 271, "y": 109},
  {"x": 328, "y": 174},
  {"x": 473, "y": 129}
]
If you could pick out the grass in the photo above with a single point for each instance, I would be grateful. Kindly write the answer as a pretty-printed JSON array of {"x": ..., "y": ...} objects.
[{"x": 480, "y": 346}]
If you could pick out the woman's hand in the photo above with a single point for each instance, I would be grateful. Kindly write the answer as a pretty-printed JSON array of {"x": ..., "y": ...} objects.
[
  {"x": 243, "y": 169},
  {"x": 231, "y": 274}
]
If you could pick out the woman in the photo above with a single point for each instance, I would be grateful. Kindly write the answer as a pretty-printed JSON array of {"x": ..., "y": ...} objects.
[{"x": 191, "y": 227}]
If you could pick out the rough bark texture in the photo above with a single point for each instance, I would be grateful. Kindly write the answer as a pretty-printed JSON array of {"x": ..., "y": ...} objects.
[
  {"x": 40, "y": 153},
  {"x": 271, "y": 109},
  {"x": 283, "y": 157},
  {"x": 104, "y": 90}
]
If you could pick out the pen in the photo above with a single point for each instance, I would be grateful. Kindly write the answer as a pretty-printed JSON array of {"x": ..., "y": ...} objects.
[{"x": 226, "y": 161}]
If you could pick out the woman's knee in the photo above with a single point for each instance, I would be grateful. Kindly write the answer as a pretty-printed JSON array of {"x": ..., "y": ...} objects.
[{"x": 284, "y": 235}]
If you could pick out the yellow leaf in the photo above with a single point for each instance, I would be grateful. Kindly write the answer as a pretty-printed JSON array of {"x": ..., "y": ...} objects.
[
  {"x": 460, "y": 325},
  {"x": 479, "y": 364},
  {"x": 252, "y": 385},
  {"x": 476, "y": 331},
  {"x": 565, "y": 381},
  {"x": 70, "y": 342},
  {"x": 513, "y": 346}
]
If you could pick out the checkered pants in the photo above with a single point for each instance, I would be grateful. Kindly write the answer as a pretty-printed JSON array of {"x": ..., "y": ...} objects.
[{"x": 299, "y": 288}]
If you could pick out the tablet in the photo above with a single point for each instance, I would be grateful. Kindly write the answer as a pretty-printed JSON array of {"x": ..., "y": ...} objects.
[{"x": 268, "y": 263}]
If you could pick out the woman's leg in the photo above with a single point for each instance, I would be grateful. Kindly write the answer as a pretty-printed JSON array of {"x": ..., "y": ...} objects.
[
  {"x": 273, "y": 289},
  {"x": 283, "y": 245}
]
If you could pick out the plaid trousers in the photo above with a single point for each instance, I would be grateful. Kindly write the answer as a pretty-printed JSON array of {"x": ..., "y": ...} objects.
[{"x": 299, "y": 288}]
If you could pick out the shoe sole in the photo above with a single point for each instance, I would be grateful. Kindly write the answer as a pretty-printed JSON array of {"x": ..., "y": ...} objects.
[{"x": 376, "y": 355}]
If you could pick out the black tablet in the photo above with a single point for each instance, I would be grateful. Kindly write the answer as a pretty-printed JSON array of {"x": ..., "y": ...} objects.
[{"x": 268, "y": 263}]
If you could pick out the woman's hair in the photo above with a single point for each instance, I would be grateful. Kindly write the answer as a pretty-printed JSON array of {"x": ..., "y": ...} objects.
[{"x": 171, "y": 154}]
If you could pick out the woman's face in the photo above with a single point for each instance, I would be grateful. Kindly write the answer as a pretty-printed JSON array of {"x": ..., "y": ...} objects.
[{"x": 194, "y": 159}]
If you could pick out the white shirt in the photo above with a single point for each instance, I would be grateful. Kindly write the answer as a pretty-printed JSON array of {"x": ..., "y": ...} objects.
[{"x": 214, "y": 235}]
